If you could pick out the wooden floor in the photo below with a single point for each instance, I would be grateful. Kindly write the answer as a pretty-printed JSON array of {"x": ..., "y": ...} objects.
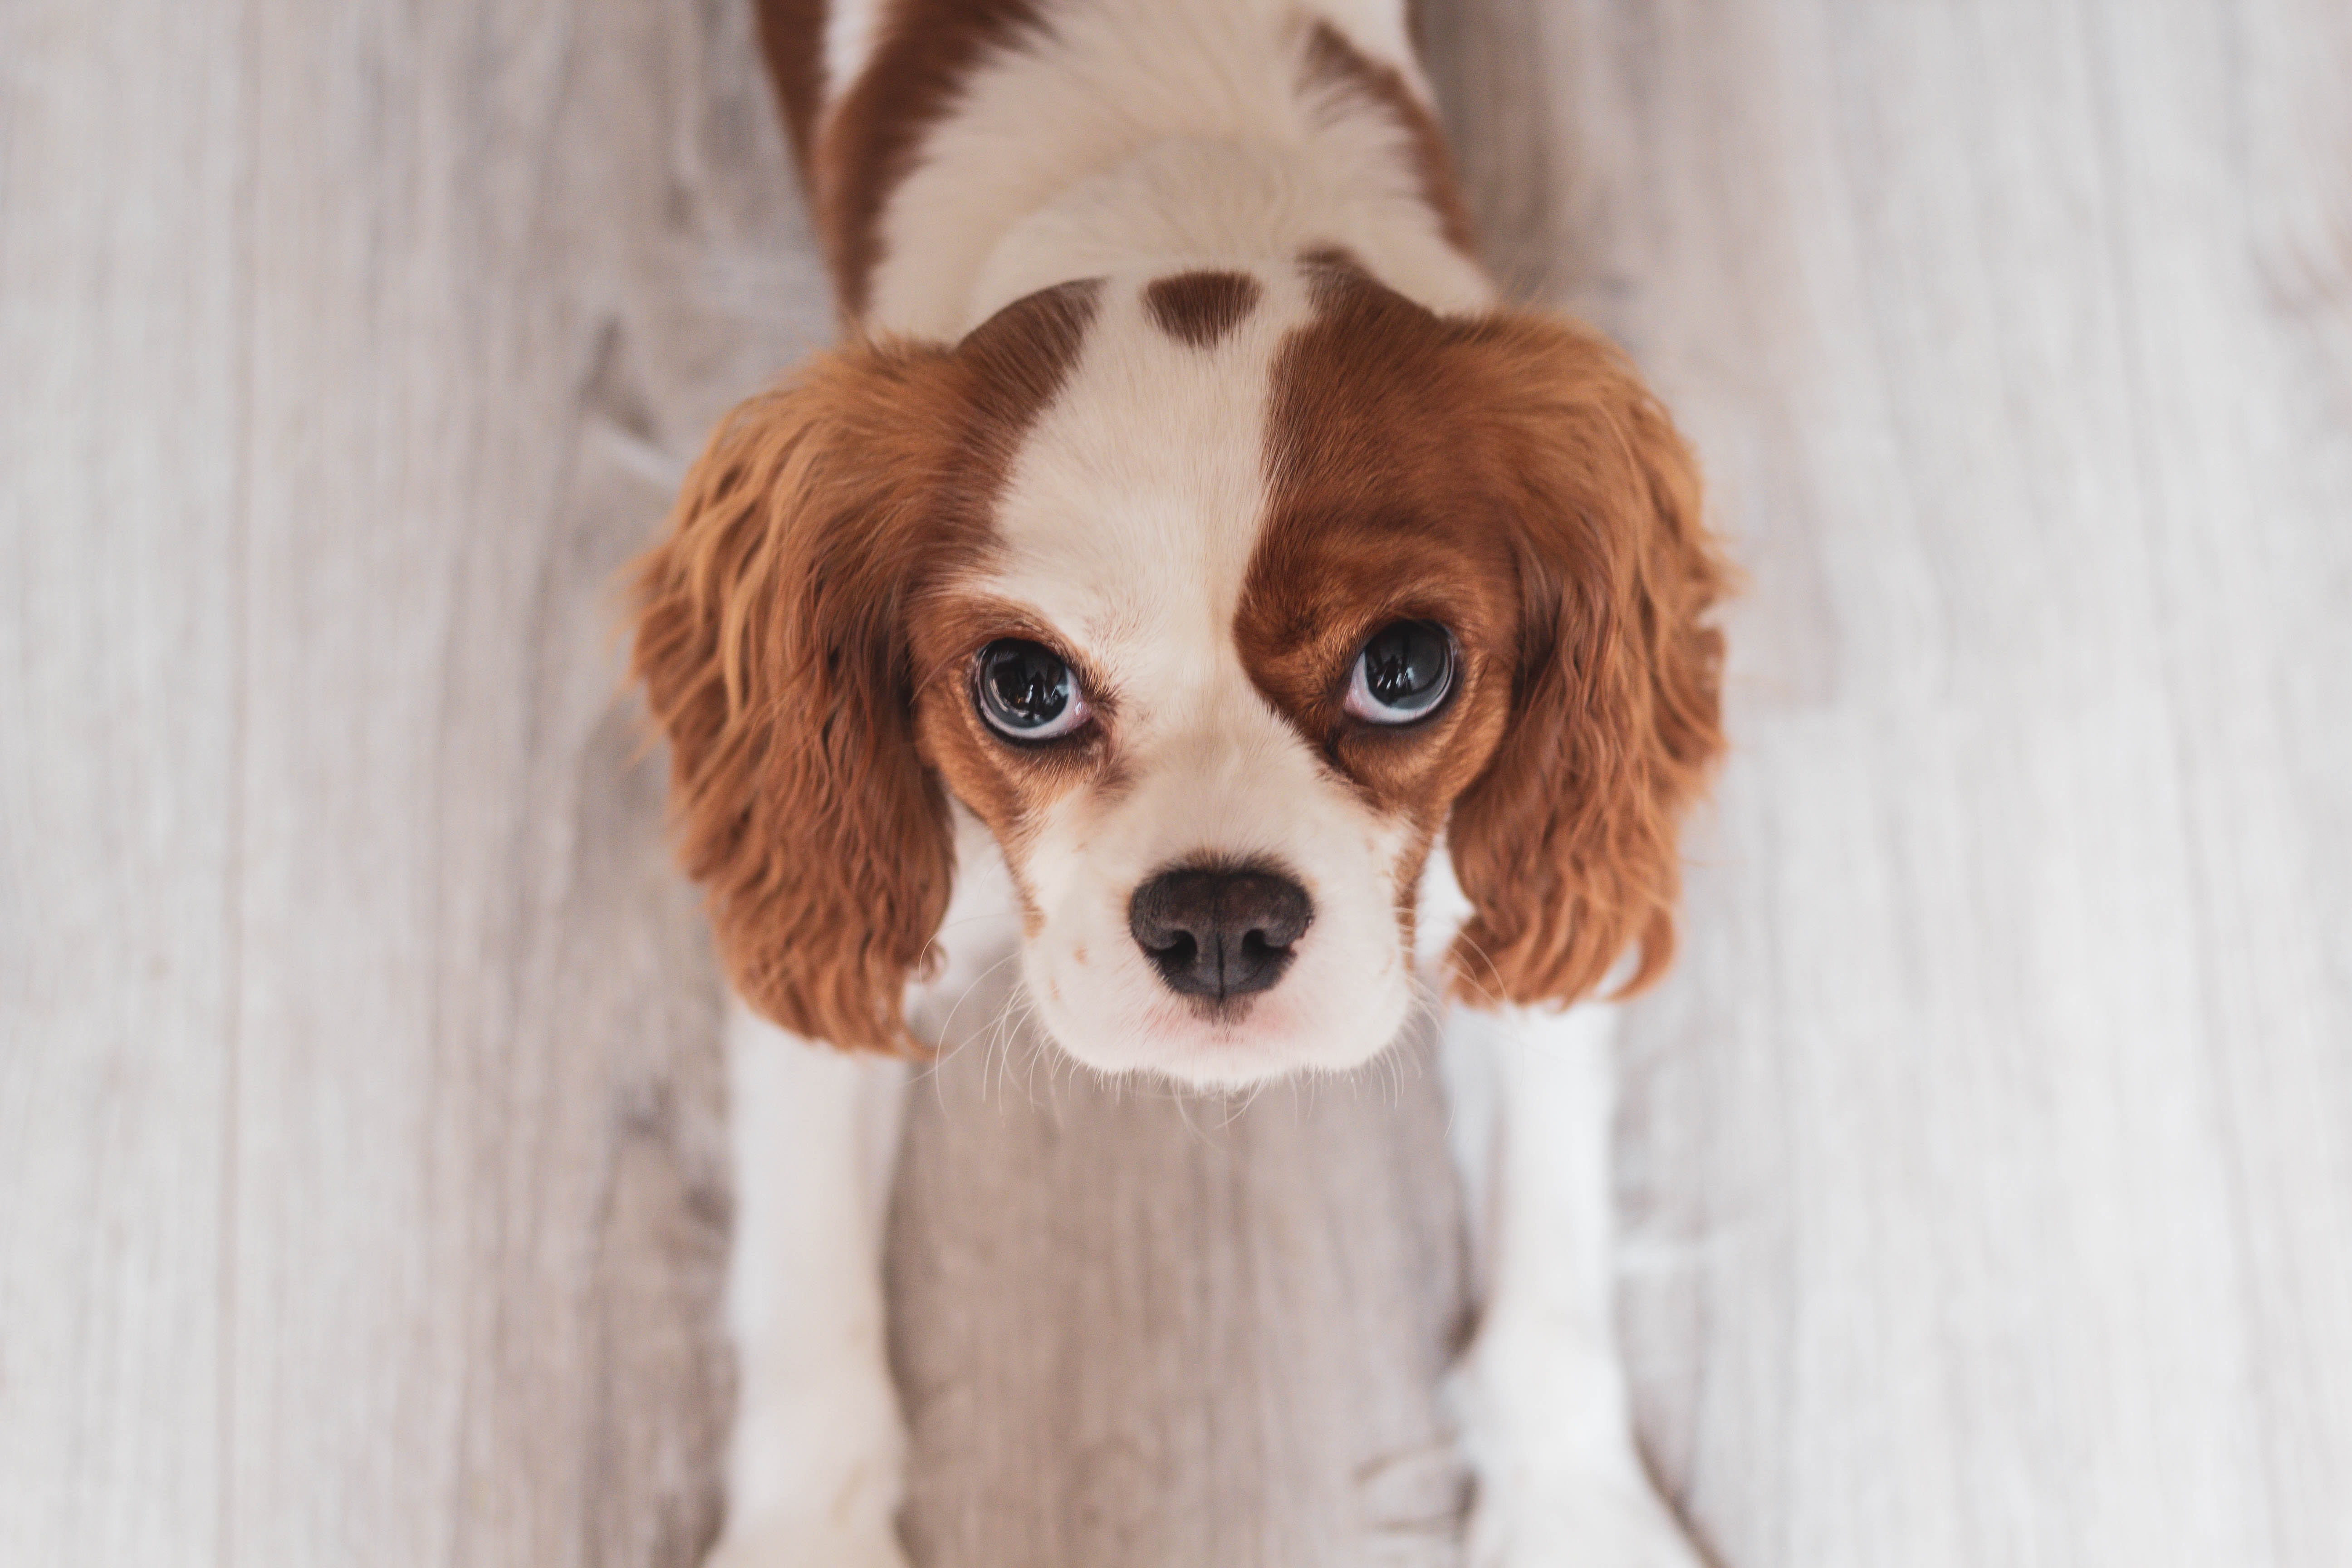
[{"x": 1987, "y": 1163}]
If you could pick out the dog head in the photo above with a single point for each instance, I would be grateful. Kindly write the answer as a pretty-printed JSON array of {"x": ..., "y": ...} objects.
[{"x": 1221, "y": 598}]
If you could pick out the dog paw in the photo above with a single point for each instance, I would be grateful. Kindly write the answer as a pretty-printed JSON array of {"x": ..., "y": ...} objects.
[{"x": 1591, "y": 1522}]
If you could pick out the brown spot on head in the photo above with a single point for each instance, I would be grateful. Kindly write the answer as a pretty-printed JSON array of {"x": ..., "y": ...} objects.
[
  {"x": 1200, "y": 308},
  {"x": 1509, "y": 478},
  {"x": 1335, "y": 64},
  {"x": 775, "y": 638}
]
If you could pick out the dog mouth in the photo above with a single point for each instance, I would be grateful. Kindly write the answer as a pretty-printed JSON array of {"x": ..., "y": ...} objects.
[{"x": 1135, "y": 1024}]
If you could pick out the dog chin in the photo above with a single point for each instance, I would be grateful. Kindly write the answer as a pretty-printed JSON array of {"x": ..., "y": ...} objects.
[{"x": 1229, "y": 1047}]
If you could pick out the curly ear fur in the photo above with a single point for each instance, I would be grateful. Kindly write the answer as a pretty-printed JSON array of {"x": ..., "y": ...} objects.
[
  {"x": 769, "y": 643},
  {"x": 1566, "y": 844},
  {"x": 773, "y": 641}
]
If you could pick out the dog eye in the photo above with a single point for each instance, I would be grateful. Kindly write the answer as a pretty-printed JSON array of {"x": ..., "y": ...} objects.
[
  {"x": 1026, "y": 692},
  {"x": 1404, "y": 673}
]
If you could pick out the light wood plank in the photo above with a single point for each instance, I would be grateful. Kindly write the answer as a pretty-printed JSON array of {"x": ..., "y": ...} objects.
[
  {"x": 501, "y": 293},
  {"x": 123, "y": 294},
  {"x": 1135, "y": 1326}
]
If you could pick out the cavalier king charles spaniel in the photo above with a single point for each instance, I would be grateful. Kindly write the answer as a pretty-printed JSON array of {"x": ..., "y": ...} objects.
[{"x": 1186, "y": 578}]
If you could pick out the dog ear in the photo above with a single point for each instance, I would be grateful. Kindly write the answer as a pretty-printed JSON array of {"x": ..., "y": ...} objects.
[
  {"x": 770, "y": 641},
  {"x": 1566, "y": 844}
]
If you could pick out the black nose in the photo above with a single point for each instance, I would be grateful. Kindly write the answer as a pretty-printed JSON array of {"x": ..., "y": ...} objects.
[{"x": 1219, "y": 932}]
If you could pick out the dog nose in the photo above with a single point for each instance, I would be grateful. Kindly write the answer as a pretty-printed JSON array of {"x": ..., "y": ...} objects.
[{"x": 1219, "y": 932}]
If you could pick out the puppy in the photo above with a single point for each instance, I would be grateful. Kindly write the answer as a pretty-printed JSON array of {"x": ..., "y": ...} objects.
[{"x": 1184, "y": 568}]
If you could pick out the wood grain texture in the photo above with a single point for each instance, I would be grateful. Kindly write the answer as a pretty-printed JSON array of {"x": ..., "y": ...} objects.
[
  {"x": 363, "y": 1197},
  {"x": 121, "y": 328},
  {"x": 480, "y": 1194},
  {"x": 1134, "y": 1326},
  {"x": 1988, "y": 1161}
]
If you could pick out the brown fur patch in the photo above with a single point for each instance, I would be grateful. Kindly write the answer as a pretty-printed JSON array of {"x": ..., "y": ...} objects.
[
  {"x": 1509, "y": 477},
  {"x": 1332, "y": 60},
  {"x": 1200, "y": 308},
  {"x": 773, "y": 642},
  {"x": 1360, "y": 534},
  {"x": 928, "y": 51},
  {"x": 792, "y": 37}
]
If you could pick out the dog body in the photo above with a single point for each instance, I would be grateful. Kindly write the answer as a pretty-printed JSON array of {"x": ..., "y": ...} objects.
[{"x": 1185, "y": 569}]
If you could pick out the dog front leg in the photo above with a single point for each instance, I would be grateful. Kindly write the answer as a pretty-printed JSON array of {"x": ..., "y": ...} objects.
[
  {"x": 1540, "y": 1393},
  {"x": 816, "y": 1460}
]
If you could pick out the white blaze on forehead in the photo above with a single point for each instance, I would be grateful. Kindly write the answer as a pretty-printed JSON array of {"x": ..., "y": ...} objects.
[{"x": 1130, "y": 512}]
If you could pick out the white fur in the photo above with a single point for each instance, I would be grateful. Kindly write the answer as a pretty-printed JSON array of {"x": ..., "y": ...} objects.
[
  {"x": 852, "y": 28},
  {"x": 815, "y": 1462},
  {"x": 1540, "y": 1394},
  {"x": 1146, "y": 136}
]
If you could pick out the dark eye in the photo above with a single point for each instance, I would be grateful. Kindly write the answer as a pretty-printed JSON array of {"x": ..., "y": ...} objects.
[
  {"x": 1404, "y": 673},
  {"x": 1026, "y": 692}
]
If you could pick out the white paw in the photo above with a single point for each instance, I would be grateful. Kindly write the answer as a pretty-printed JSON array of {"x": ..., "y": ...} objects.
[
  {"x": 1589, "y": 1523},
  {"x": 1559, "y": 1482},
  {"x": 806, "y": 1543}
]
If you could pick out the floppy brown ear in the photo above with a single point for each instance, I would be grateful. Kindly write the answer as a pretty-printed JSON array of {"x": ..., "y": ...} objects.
[
  {"x": 769, "y": 640},
  {"x": 1566, "y": 844}
]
